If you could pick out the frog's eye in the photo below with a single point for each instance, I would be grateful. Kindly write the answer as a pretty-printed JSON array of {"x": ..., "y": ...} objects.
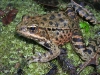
[{"x": 31, "y": 28}]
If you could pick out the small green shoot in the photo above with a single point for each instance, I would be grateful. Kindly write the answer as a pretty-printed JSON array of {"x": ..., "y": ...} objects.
[{"x": 85, "y": 26}]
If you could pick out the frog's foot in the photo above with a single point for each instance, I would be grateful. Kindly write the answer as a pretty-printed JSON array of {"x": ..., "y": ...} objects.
[{"x": 92, "y": 61}]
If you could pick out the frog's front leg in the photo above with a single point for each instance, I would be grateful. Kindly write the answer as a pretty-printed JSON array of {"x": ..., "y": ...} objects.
[{"x": 53, "y": 52}]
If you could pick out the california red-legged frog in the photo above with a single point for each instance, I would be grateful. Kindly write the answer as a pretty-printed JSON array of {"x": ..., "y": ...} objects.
[{"x": 53, "y": 30}]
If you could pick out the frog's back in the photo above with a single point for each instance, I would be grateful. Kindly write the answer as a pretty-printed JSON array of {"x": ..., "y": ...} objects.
[
  {"x": 56, "y": 27},
  {"x": 54, "y": 20}
]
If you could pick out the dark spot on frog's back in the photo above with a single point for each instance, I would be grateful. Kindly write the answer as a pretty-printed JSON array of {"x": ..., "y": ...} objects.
[
  {"x": 50, "y": 22},
  {"x": 56, "y": 38},
  {"x": 45, "y": 19},
  {"x": 52, "y": 17},
  {"x": 61, "y": 36},
  {"x": 65, "y": 24},
  {"x": 57, "y": 33},
  {"x": 59, "y": 15},
  {"x": 61, "y": 20},
  {"x": 49, "y": 29}
]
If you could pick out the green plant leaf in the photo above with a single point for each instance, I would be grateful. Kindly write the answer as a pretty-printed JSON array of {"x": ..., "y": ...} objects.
[{"x": 84, "y": 25}]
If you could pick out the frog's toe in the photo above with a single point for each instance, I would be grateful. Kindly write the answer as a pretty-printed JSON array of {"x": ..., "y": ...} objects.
[{"x": 33, "y": 59}]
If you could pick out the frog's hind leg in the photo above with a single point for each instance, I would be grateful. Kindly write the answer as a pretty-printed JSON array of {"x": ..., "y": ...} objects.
[
  {"x": 53, "y": 52},
  {"x": 94, "y": 45},
  {"x": 88, "y": 53}
]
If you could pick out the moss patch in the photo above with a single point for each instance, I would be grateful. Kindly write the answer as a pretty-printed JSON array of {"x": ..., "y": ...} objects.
[{"x": 14, "y": 49}]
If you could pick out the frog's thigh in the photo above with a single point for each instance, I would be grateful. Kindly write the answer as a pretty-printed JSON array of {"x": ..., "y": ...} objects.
[{"x": 53, "y": 52}]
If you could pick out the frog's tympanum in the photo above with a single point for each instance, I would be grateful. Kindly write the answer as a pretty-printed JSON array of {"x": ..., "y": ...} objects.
[{"x": 55, "y": 29}]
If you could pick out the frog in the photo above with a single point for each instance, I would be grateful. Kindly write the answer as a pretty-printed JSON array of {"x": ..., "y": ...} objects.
[{"x": 52, "y": 31}]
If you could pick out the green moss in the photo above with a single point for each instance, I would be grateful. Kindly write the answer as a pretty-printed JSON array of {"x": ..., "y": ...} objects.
[{"x": 13, "y": 47}]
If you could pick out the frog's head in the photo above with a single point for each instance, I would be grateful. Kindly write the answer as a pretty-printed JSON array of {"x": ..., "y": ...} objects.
[{"x": 29, "y": 28}]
